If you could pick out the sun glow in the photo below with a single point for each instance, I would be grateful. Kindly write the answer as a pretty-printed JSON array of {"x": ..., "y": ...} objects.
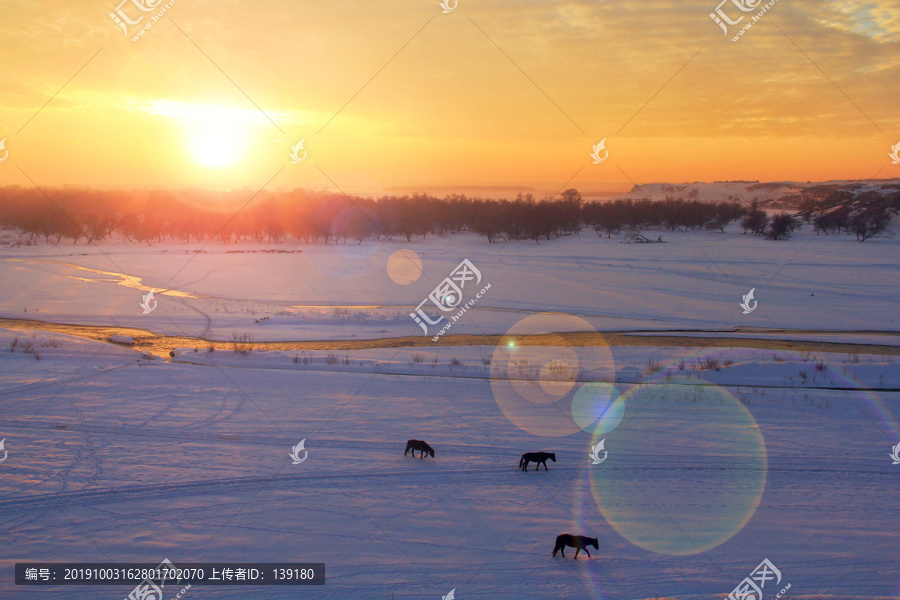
[
  {"x": 215, "y": 136},
  {"x": 215, "y": 143}
]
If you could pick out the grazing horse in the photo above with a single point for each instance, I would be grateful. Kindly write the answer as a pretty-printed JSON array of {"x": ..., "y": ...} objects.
[
  {"x": 420, "y": 446},
  {"x": 579, "y": 542},
  {"x": 538, "y": 457}
]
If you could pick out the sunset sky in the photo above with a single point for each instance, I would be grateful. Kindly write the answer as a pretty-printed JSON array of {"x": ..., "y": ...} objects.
[{"x": 396, "y": 93}]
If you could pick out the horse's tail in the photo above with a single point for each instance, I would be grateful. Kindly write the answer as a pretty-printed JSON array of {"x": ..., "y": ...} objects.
[{"x": 521, "y": 461}]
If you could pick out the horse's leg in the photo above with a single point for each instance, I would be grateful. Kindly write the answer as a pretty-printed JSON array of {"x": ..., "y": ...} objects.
[
  {"x": 588, "y": 552},
  {"x": 576, "y": 552}
]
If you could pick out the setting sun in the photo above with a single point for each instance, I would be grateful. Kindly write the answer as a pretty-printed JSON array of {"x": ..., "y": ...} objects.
[
  {"x": 214, "y": 135},
  {"x": 216, "y": 144}
]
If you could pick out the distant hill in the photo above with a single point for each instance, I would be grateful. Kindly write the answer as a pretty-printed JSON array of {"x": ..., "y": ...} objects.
[{"x": 783, "y": 195}]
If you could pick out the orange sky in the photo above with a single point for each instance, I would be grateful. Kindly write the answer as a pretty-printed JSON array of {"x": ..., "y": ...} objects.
[{"x": 493, "y": 93}]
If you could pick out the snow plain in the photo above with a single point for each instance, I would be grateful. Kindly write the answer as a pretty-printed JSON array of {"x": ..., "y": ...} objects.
[
  {"x": 717, "y": 457},
  {"x": 694, "y": 281}
]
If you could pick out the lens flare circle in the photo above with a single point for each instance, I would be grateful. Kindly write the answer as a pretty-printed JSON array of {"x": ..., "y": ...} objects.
[
  {"x": 404, "y": 267},
  {"x": 543, "y": 374},
  {"x": 597, "y": 408},
  {"x": 687, "y": 468},
  {"x": 534, "y": 370}
]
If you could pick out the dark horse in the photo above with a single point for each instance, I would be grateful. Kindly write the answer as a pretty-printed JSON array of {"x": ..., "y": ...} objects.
[
  {"x": 579, "y": 542},
  {"x": 420, "y": 446},
  {"x": 537, "y": 457}
]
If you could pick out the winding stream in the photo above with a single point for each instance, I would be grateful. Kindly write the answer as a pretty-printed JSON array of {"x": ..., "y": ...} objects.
[{"x": 160, "y": 345}]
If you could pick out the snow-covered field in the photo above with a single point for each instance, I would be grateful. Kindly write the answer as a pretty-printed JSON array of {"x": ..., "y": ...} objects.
[
  {"x": 717, "y": 457},
  {"x": 694, "y": 281}
]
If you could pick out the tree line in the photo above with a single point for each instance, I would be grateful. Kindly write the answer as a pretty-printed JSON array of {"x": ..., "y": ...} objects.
[{"x": 156, "y": 216}]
